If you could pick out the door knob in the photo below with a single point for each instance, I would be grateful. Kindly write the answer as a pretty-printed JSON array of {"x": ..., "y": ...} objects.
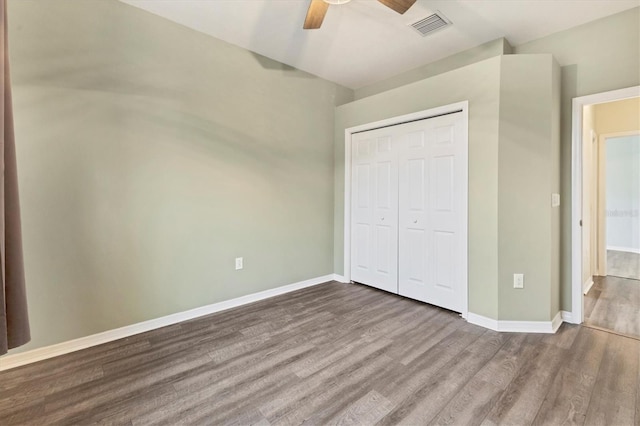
[
  {"x": 415, "y": 221},
  {"x": 382, "y": 218}
]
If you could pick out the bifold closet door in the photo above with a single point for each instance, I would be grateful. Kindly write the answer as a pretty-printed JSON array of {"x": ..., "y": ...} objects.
[
  {"x": 432, "y": 174},
  {"x": 408, "y": 224},
  {"x": 374, "y": 209}
]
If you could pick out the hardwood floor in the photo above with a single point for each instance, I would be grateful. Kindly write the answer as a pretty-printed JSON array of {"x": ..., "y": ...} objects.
[
  {"x": 613, "y": 303},
  {"x": 623, "y": 264},
  {"x": 334, "y": 354}
]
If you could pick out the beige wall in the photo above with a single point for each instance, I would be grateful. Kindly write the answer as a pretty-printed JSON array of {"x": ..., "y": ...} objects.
[
  {"x": 616, "y": 117},
  {"x": 150, "y": 156},
  {"x": 595, "y": 57},
  {"x": 589, "y": 174}
]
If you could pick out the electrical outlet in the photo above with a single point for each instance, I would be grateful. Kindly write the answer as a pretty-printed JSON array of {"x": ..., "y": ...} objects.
[
  {"x": 518, "y": 280},
  {"x": 239, "y": 263}
]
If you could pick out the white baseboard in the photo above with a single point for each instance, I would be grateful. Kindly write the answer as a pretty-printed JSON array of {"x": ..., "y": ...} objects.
[
  {"x": 516, "y": 326},
  {"x": 557, "y": 321},
  {"x": 482, "y": 321},
  {"x": 587, "y": 286},
  {"x": 567, "y": 316},
  {"x": 340, "y": 278},
  {"x": 16, "y": 360},
  {"x": 627, "y": 249}
]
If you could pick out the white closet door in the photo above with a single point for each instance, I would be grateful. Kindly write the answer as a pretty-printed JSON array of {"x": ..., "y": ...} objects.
[
  {"x": 432, "y": 182},
  {"x": 374, "y": 209}
]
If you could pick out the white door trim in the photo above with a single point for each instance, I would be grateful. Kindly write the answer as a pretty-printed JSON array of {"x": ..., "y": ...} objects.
[
  {"x": 577, "y": 300},
  {"x": 420, "y": 115}
]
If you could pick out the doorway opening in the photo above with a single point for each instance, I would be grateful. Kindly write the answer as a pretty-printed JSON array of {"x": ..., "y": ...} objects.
[
  {"x": 606, "y": 211},
  {"x": 622, "y": 204}
]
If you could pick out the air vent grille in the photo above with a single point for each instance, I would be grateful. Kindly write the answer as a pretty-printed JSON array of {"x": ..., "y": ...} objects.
[{"x": 431, "y": 24}]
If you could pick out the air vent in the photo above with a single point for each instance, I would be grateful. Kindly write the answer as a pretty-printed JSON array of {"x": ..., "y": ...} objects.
[{"x": 431, "y": 24}]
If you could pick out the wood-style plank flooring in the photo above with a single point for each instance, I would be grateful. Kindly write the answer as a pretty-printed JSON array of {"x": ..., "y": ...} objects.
[
  {"x": 623, "y": 264},
  {"x": 613, "y": 303},
  {"x": 334, "y": 354}
]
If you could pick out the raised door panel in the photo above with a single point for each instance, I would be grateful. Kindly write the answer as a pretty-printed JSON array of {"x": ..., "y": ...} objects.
[
  {"x": 413, "y": 248},
  {"x": 361, "y": 208},
  {"x": 429, "y": 205},
  {"x": 447, "y": 158},
  {"x": 374, "y": 210}
]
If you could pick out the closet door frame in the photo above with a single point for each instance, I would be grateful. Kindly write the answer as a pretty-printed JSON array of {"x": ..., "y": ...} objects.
[{"x": 462, "y": 107}]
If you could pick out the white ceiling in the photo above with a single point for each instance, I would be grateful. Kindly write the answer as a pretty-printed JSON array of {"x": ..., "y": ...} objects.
[{"x": 363, "y": 41}]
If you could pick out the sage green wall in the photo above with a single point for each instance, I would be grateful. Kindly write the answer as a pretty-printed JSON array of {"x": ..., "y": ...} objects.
[
  {"x": 150, "y": 156},
  {"x": 513, "y": 169},
  {"x": 484, "y": 51},
  {"x": 595, "y": 57},
  {"x": 527, "y": 176},
  {"x": 556, "y": 186},
  {"x": 478, "y": 83}
]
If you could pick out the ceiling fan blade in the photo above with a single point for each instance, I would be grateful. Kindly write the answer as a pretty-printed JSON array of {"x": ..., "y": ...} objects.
[
  {"x": 315, "y": 14},
  {"x": 400, "y": 6}
]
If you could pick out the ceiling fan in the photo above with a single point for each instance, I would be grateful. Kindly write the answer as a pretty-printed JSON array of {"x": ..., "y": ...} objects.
[{"x": 318, "y": 8}]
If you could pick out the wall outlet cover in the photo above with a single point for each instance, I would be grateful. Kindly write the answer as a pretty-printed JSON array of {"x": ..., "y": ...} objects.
[{"x": 518, "y": 280}]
